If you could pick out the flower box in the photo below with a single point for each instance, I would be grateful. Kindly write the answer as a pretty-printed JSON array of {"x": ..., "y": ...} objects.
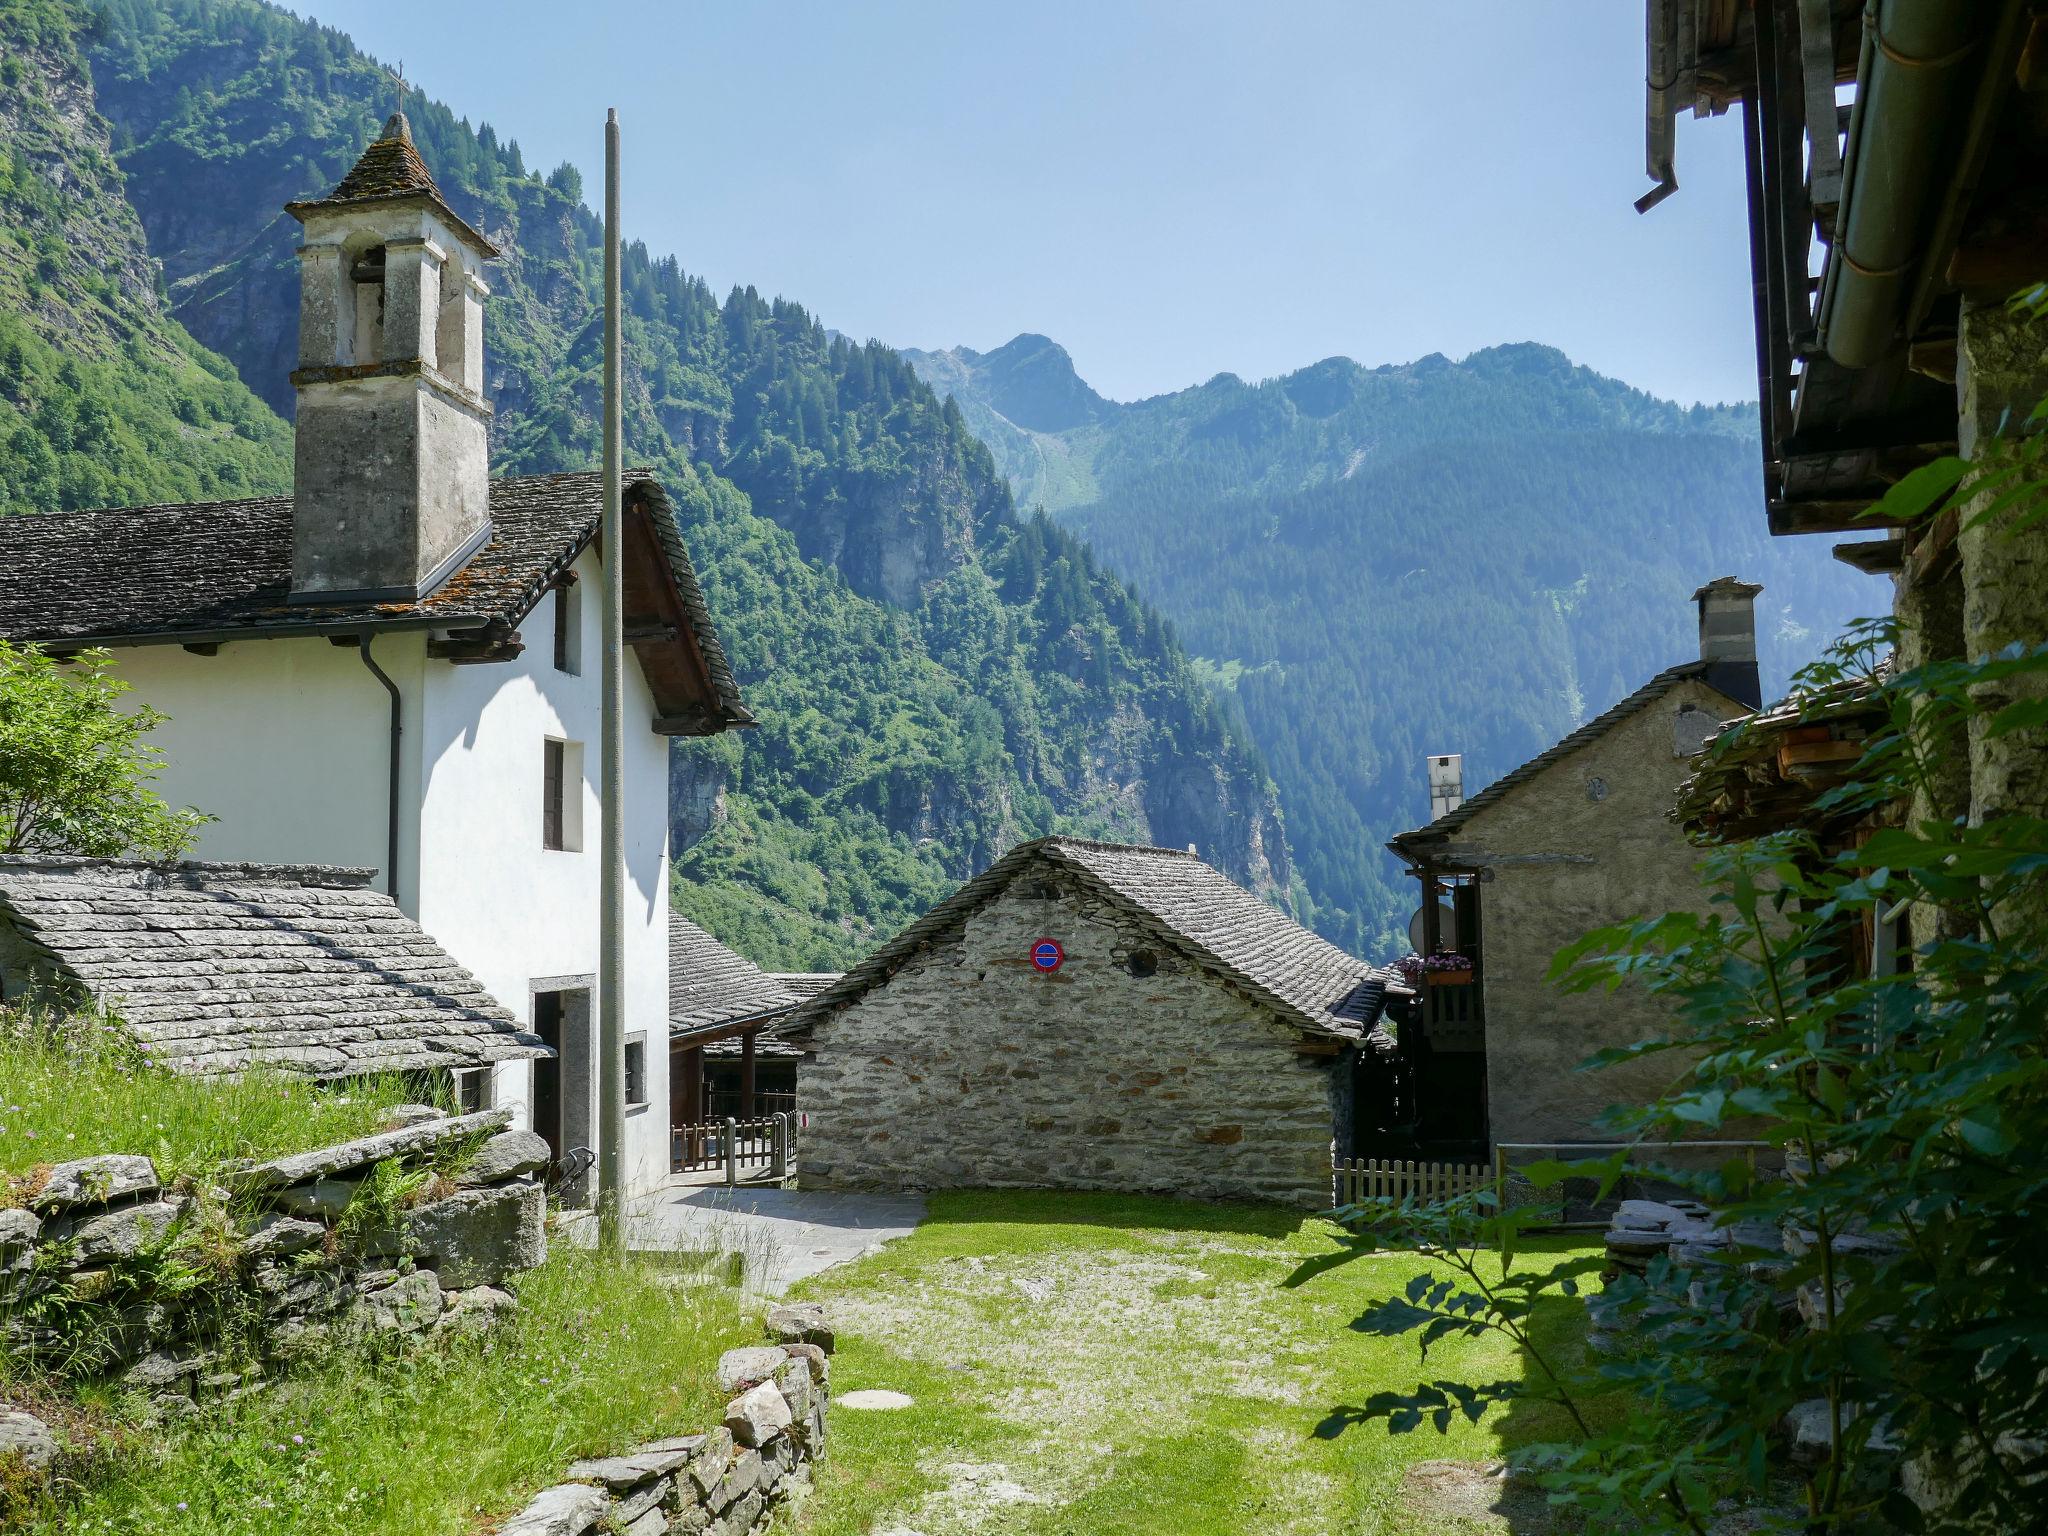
[{"x": 1448, "y": 978}]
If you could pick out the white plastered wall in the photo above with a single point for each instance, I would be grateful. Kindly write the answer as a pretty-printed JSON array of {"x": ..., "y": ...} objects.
[
  {"x": 514, "y": 911},
  {"x": 286, "y": 741}
]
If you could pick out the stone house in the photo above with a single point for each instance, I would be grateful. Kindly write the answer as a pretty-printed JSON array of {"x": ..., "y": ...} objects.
[
  {"x": 396, "y": 665},
  {"x": 1578, "y": 837},
  {"x": 1088, "y": 1015}
]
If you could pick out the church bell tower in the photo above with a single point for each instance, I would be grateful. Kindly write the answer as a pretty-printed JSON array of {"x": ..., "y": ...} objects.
[{"x": 392, "y": 461}]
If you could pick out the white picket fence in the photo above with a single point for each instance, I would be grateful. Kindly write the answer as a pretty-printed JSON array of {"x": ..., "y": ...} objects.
[{"x": 1371, "y": 1178}]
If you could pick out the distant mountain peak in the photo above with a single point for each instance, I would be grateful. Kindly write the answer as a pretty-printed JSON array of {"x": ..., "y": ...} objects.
[{"x": 1029, "y": 380}]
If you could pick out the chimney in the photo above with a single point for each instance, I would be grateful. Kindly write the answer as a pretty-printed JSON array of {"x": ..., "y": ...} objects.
[
  {"x": 1446, "y": 784},
  {"x": 392, "y": 455},
  {"x": 1728, "y": 638}
]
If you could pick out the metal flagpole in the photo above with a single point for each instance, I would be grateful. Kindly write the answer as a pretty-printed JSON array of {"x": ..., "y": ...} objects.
[{"x": 611, "y": 982}]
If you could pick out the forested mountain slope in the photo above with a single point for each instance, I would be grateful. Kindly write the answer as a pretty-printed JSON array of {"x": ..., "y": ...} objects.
[
  {"x": 103, "y": 397},
  {"x": 1380, "y": 564},
  {"x": 936, "y": 677}
]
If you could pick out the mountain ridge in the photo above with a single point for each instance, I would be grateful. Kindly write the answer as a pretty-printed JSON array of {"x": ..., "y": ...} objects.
[
  {"x": 1382, "y": 564},
  {"x": 937, "y": 677}
]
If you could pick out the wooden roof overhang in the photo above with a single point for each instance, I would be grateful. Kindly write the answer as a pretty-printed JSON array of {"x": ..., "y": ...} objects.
[
  {"x": 1769, "y": 774},
  {"x": 1835, "y": 437}
]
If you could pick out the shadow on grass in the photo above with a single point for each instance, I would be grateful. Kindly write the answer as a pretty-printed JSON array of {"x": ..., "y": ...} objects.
[{"x": 1085, "y": 1208}]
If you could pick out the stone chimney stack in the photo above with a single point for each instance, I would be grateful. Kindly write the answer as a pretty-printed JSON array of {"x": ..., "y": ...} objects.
[
  {"x": 392, "y": 459},
  {"x": 1728, "y": 638}
]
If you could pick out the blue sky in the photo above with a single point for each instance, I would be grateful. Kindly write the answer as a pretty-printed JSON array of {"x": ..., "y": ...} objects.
[{"x": 1171, "y": 189}]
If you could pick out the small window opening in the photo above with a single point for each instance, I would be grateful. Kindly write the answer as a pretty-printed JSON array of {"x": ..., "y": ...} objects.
[
  {"x": 1142, "y": 962},
  {"x": 561, "y": 795},
  {"x": 568, "y": 626},
  {"x": 636, "y": 1071},
  {"x": 451, "y": 326},
  {"x": 367, "y": 273},
  {"x": 473, "y": 1091}
]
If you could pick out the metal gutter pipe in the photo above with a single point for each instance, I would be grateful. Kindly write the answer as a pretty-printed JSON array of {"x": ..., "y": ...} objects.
[
  {"x": 391, "y": 786},
  {"x": 1915, "y": 65},
  {"x": 611, "y": 940}
]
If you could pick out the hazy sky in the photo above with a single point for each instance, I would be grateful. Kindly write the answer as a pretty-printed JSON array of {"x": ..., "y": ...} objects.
[{"x": 1171, "y": 189}]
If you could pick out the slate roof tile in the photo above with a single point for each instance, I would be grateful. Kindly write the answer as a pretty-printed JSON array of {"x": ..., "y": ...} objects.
[
  {"x": 1196, "y": 910},
  {"x": 710, "y": 985},
  {"x": 222, "y": 570},
  {"x": 219, "y": 967}
]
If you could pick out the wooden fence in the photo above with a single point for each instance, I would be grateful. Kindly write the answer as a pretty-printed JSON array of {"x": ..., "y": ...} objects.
[
  {"x": 1370, "y": 1178},
  {"x": 740, "y": 1148}
]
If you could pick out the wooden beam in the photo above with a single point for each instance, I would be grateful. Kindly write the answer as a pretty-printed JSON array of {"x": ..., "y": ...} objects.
[
  {"x": 1873, "y": 557},
  {"x": 747, "y": 1074},
  {"x": 477, "y": 645}
]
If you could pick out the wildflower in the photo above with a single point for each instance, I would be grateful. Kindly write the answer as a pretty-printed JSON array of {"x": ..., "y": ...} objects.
[{"x": 298, "y": 1439}]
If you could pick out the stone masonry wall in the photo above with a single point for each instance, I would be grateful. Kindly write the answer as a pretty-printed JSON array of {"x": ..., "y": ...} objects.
[
  {"x": 390, "y": 1236},
  {"x": 729, "y": 1482},
  {"x": 1638, "y": 864},
  {"x": 968, "y": 1069}
]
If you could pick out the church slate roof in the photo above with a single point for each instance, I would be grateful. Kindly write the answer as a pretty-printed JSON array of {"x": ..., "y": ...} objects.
[
  {"x": 389, "y": 171},
  {"x": 214, "y": 968},
  {"x": 1408, "y": 844},
  {"x": 1192, "y": 908},
  {"x": 222, "y": 570},
  {"x": 710, "y": 986}
]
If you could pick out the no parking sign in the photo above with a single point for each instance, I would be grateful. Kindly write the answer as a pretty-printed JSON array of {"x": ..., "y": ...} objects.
[{"x": 1047, "y": 956}]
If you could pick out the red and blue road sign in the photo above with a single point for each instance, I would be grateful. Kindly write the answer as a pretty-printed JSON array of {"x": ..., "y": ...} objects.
[{"x": 1047, "y": 956}]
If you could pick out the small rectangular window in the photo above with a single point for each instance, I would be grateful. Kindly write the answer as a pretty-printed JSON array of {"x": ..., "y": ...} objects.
[
  {"x": 561, "y": 795},
  {"x": 636, "y": 1071},
  {"x": 568, "y": 626},
  {"x": 473, "y": 1091}
]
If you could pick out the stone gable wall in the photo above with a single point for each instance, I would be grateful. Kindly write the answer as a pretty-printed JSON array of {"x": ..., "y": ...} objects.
[
  {"x": 97, "y": 1255},
  {"x": 968, "y": 1069},
  {"x": 1641, "y": 865}
]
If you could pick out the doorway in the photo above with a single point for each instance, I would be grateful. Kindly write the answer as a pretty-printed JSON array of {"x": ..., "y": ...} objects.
[{"x": 564, "y": 1104}]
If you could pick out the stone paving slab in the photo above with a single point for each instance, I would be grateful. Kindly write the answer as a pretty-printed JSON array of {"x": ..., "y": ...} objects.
[{"x": 782, "y": 1235}]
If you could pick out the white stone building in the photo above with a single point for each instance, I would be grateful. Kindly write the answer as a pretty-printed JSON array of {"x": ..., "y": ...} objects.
[{"x": 397, "y": 666}]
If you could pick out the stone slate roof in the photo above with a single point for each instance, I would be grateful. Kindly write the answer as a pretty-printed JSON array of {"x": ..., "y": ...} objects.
[
  {"x": 710, "y": 986},
  {"x": 1407, "y": 843},
  {"x": 1193, "y": 909},
  {"x": 215, "y": 571},
  {"x": 390, "y": 171},
  {"x": 218, "y": 967}
]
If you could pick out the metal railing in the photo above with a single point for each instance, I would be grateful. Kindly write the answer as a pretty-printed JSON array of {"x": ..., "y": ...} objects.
[
  {"x": 1593, "y": 1149},
  {"x": 754, "y": 1148}
]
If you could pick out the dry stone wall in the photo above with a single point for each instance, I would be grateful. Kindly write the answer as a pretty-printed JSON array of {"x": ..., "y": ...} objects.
[
  {"x": 1128, "y": 1069},
  {"x": 728, "y": 1481},
  {"x": 196, "y": 1292}
]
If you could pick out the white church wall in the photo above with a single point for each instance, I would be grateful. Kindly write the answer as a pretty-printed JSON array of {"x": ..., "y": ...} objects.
[
  {"x": 515, "y": 911},
  {"x": 286, "y": 743}
]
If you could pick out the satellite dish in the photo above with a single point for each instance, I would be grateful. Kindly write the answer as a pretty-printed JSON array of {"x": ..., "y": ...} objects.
[{"x": 1446, "y": 923}]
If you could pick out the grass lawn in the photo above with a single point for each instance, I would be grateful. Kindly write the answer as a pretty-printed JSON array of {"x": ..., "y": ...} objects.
[
  {"x": 1087, "y": 1364},
  {"x": 93, "y": 1093},
  {"x": 435, "y": 1442}
]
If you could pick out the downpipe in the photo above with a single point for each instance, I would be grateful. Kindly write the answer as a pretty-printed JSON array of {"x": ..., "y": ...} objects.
[{"x": 391, "y": 784}]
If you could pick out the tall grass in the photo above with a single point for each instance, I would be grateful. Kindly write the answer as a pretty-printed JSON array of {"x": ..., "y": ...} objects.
[
  {"x": 76, "y": 1087},
  {"x": 437, "y": 1441}
]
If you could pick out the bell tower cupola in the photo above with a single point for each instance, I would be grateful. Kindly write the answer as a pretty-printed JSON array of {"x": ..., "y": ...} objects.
[{"x": 392, "y": 461}]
